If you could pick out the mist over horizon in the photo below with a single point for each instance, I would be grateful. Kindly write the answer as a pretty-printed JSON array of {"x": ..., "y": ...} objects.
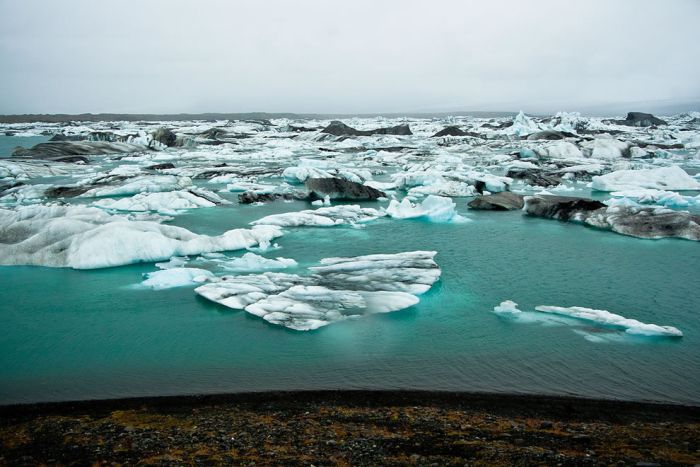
[{"x": 319, "y": 57}]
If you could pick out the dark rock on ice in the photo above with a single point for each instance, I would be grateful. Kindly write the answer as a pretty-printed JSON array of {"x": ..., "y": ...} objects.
[
  {"x": 250, "y": 197},
  {"x": 338, "y": 188},
  {"x": 165, "y": 165},
  {"x": 534, "y": 177},
  {"x": 213, "y": 133},
  {"x": 503, "y": 201},
  {"x": 65, "y": 191},
  {"x": 640, "y": 119},
  {"x": 62, "y": 137},
  {"x": 550, "y": 135},
  {"x": 165, "y": 136},
  {"x": 300, "y": 129},
  {"x": 71, "y": 151},
  {"x": 560, "y": 207},
  {"x": 338, "y": 128},
  {"x": 455, "y": 131},
  {"x": 641, "y": 222}
]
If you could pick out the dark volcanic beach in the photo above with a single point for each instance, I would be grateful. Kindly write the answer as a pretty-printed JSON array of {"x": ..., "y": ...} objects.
[{"x": 351, "y": 428}]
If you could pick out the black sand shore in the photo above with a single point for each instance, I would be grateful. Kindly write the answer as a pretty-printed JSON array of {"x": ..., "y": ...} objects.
[{"x": 351, "y": 428}]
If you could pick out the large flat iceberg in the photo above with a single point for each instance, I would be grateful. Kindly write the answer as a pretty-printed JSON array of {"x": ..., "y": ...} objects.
[
  {"x": 338, "y": 289},
  {"x": 88, "y": 238},
  {"x": 322, "y": 217},
  {"x": 662, "y": 178},
  {"x": 605, "y": 318}
]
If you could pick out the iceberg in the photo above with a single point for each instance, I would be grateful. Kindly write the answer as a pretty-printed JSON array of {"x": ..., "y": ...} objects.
[
  {"x": 662, "y": 178},
  {"x": 175, "y": 277},
  {"x": 250, "y": 262},
  {"x": 660, "y": 197},
  {"x": 433, "y": 208},
  {"x": 605, "y": 318},
  {"x": 562, "y": 150},
  {"x": 555, "y": 315},
  {"x": 145, "y": 184},
  {"x": 88, "y": 238},
  {"x": 322, "y": 217},
  {"x": 169, "y": 203},
  {"x": 338, "y": 289}
]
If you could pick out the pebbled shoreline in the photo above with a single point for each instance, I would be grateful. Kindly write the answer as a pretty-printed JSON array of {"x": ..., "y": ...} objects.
[{"x": 350, "y": 428}]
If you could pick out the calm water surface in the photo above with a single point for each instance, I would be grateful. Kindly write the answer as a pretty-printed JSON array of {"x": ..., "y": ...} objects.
[{"x": 86, "y": 334}]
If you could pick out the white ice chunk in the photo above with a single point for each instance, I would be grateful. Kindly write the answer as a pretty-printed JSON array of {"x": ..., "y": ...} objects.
[
  {"x": 87, "y": 238},
  {"x": 338, "y": 289},
  {"x": 507, "y": 306},
  {"x": 662, "y": 178},
  {"x": 169, "y": 203},
  {"x": 433, "y": 208},
  {"x": 175, "y": 277},
  {"x": 322, "y": 217},
  {"x": 603, "y": 317},
  {"x": 145, "y": 184},
  {"x": 250, "y": 262}
]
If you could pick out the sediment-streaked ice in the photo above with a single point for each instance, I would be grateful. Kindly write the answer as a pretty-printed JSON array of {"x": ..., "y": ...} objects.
[
  {"x": 322, "y": 217},
  {"x": 336, "y": 290},
  {"x": 145, "y": 184},
  {"x": 88, "y": 238},
  {"x": 170, "y": 202}
]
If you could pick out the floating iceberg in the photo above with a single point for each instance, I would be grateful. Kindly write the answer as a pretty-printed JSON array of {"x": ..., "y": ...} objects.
[
  {"x": 170, "y": 203},
  {"x": 250, "y": 262},
  {"x": 338, "y": 289},
  {"x": 433, "y": 208},
  {"x": 175, "y": 277},
  {"x": 660, "y": 197},
  {"x": 145, "y": 184},
  {"x": 562, "y": 150},
  {"x": 322, "y": 217},
  {"x": 507, "y": 307},
  {"x": 662, "y": 178},
  {"x": 605, "y": 318},
  {"x": 555, "y": 315},
  {"x": 88, "y": 238}
]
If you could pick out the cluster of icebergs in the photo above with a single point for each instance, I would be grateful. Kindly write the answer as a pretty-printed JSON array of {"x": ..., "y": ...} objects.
[{"x": 103, "y": 197}]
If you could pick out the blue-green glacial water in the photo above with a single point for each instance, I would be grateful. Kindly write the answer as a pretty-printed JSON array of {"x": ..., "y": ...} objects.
[
  {"x": 70, "y": 334},
  {"x": 9, "y": 143}
]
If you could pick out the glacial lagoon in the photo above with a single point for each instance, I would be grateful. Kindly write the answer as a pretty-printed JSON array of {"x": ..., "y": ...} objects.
[{"x": 100, "y": 333}]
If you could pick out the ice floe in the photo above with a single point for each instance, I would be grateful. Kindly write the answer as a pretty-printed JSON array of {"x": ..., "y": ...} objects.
[
  {"x": 661, "y": 178},
  {"x": 169, "y": 203},
  {"x": 322, "y": 217},
  {"x": 88, "y": 238},
  {"x": 250, "y": 262},
  {"x": 432, "y": 208},
  {"x": 336, "y": 290},
  {"x": 606, "y": 318},
  {"x": 576, "y": 316},
  {"x": 175, "y": 277}
]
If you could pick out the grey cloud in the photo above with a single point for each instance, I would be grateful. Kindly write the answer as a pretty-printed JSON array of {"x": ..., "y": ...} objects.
[{"x": 351, "y": 56}]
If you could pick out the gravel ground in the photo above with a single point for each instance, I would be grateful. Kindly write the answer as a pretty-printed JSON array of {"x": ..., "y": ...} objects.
[{"x": 350, "y": 428}]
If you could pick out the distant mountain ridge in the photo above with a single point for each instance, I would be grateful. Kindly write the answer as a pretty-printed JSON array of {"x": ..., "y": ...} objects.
[{"x": 89, "y": 117}]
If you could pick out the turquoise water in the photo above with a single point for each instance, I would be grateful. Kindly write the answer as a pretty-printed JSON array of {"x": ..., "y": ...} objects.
[
  {"x": 9, "y": 143},
  {"x": 86, "y": 334}
]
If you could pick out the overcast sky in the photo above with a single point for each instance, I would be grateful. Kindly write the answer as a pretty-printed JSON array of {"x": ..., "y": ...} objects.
[{"x": 166, "y": 56}]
